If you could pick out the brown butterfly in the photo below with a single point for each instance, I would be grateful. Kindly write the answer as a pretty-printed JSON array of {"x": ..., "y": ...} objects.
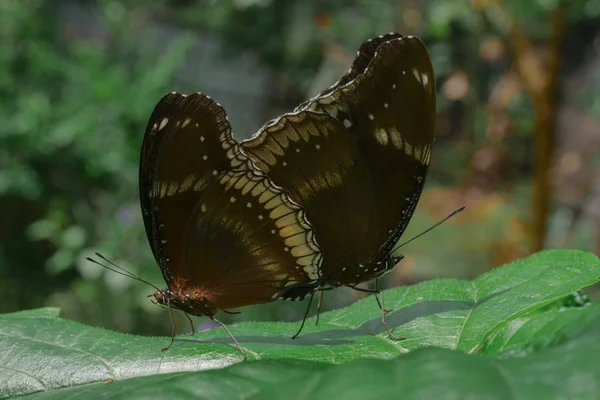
[
  {"x": 316, "y": 199},
  {"x": 222, "y": 233}
]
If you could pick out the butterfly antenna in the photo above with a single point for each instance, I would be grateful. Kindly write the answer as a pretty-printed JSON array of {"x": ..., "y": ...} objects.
[
  {"x": 119, "y": 270},
  {"x": 447, "y": 217}
]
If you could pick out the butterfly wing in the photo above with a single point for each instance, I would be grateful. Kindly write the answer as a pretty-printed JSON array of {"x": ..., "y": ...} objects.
[
  {"x": 314, "y": 158},
  {"x": 390, "y": 107},
  {"x": 385, "y": 115},
  {"x": 246, "y": 242},
  {"x": 364, "y": 55},
  {"x": 223, "y": 235},
  {"x": 187, "y": 144}
]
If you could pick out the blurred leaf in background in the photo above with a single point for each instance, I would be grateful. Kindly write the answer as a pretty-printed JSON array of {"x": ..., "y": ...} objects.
[{"x": 73, "y": 110}]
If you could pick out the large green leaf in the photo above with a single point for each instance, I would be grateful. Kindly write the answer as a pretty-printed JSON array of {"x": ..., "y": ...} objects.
[
  {"x": 41, "y": 351},
  {"x": 568, "y": 371},
  {"x": 535, "y": 332}
]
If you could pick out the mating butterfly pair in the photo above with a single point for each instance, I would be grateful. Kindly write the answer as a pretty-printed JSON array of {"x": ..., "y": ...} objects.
[{"x": 316, "y": 199}]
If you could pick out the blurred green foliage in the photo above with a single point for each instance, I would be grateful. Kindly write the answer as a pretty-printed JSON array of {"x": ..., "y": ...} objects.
[
  {"x": 74, "y": 105},
  {"x": 73, "y": 112}
]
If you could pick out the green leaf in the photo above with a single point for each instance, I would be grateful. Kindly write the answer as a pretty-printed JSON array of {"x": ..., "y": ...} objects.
[
  {"x": 530, "y": 334},
  {"x": 42, "y": 352},
  {"x": 569, "y": 371}
]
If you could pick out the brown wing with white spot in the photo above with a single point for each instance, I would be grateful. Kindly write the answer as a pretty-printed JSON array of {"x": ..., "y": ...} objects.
[
  {"x": 312, "y": 156},
  {"x": 187, "y": 144},
  {"x": 245, "y": 243},
  {"x": 364, "y": 55},
  {"x": 387, "y": 113},
  {"x": 391, "y": 109}
]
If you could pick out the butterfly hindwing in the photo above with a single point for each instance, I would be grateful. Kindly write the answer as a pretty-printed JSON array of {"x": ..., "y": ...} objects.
[
  {"x": 246, "y": 241},
  {"x": 313, "y": 157}
]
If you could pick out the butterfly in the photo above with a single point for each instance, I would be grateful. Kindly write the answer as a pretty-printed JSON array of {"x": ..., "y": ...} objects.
[
  {"x": 316, "y": 199},
  {"x": 355, "y": 158},
  {"x": 223, "y": 235}
]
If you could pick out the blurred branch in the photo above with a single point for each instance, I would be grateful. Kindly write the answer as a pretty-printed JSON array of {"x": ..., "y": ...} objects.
[{"x": 539, "y": 73}]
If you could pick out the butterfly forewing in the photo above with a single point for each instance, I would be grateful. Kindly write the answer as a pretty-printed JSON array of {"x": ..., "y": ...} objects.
[
  {"x": 364, "y": 55},
  {"x": 391, "y": 109},
  {"x": 384, "y": 116},
  {"x": 187, "y": 144}
]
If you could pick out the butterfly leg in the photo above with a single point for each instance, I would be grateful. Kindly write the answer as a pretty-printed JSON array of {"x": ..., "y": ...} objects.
[
  {"x": 379, "y": 302},
  {"x": 319, "y": 306},
  {"x": 312, "y": 295},
  {"x": 191, "y": 323},
  {"x": 231, "y": 336},
  {"x": 172, "y": 328},
  {"x": 379, "y": 293}
]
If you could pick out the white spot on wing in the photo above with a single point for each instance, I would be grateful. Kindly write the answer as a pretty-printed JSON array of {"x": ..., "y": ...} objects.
[
  {"x": 416, "y": 74},
  {"x": 163, "y": 123},
  {"x": 396, "y": 138},
  {"x": 347, "y": 123},
  {"x": 381, "y": 136},
  {"x": 417, "y": 153},
  {"x": 408, "y": 149}
]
